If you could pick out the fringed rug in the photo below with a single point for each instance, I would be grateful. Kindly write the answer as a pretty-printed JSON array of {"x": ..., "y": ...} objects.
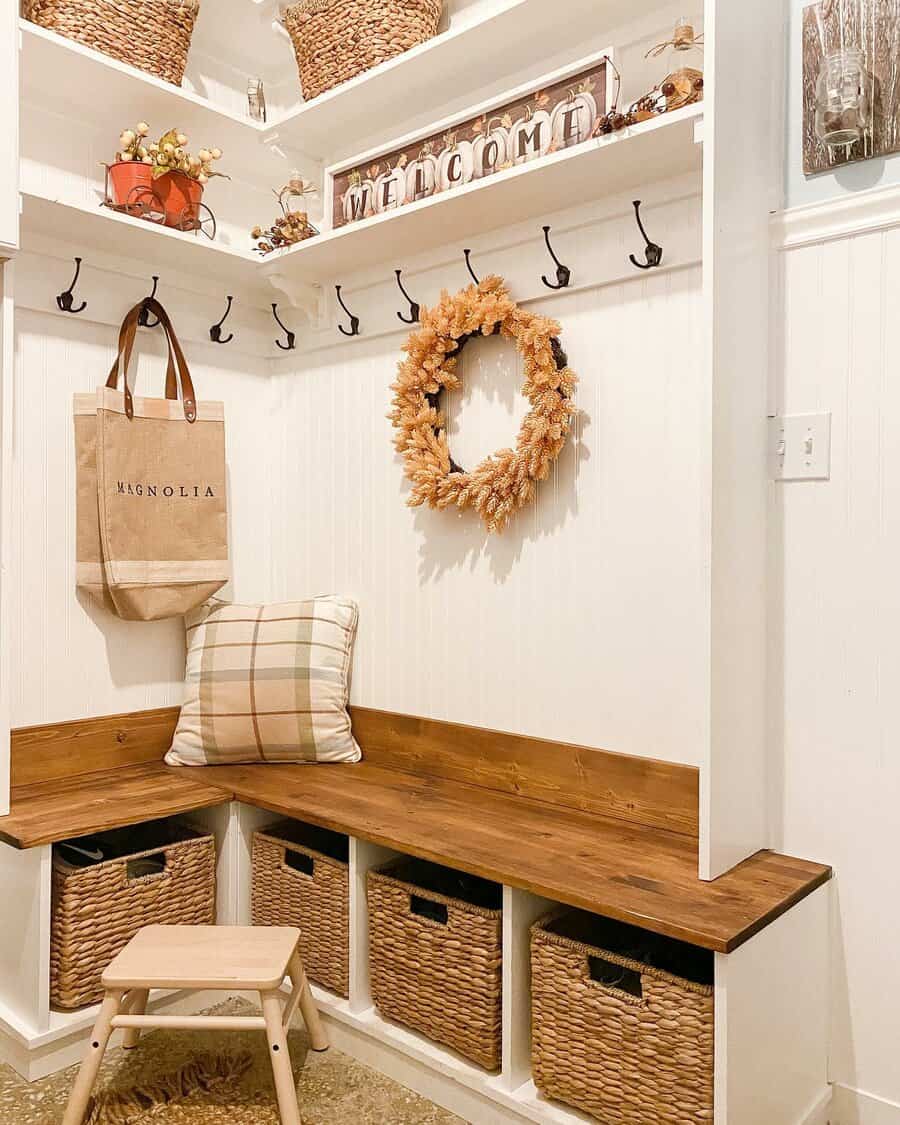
[
  {"x": 220, "y": 1078},
  {"x": 211, "y": 1075}
]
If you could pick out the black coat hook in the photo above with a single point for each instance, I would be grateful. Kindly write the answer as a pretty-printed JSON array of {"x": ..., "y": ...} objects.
[
  {"x": 353, "y": 330},
  {"x": 469, "y": 267},
  {"x": 291, "y": 338},
  {"x": 414, "y": 309},
  {"x": 653, "y": 252},
  {"x": 215, "y": 330},
  {"x": 64, "y": 300},
  {"x": 563, "y": 273},
  {"x": 144, "y": 315}
]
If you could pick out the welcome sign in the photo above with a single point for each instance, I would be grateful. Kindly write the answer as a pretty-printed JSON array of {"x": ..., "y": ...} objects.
[{"x": 554, "y": 113}]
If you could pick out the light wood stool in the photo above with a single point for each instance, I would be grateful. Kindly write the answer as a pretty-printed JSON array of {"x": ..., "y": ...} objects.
[{"x": 222, "y": 958}]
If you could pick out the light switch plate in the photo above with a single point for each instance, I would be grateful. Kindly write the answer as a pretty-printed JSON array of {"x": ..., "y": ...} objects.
[{"x": 800, "y": 447}]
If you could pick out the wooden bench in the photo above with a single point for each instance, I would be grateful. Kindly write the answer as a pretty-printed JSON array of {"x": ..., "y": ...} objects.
[{"x": 606, "y": 832}]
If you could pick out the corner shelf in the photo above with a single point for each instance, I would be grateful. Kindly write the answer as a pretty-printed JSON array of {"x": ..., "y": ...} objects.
[
  {"x": 655, "y": 150},
  {"x": 422, "y": 81},
  {"x": 60, "y": 74},
  {"x": 152, "y": 245}
]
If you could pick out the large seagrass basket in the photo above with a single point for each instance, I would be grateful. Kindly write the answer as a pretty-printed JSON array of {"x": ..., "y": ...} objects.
[
  {"x": 622, "y": 1021},
  {"x": 334, "y": 40},
  {"x": 159, "y": 873},
  {"x": 301, "y": 877},
  {"x": 153, "y": 35},
  {"x": 435, "y": 955}
]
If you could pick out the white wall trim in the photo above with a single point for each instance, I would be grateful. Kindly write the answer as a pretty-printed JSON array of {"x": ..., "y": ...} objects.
[
  {"x": 842, "y": 217},
  {"x": 856, "y": 1107}
]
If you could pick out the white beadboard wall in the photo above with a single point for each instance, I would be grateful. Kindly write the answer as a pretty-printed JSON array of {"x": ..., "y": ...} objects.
[
  {"x": 593, "y": 594},
  {"x": 69, "y": 658},
  {"x": 583, "y": 621},
  {"x": 834, "y": 656}
]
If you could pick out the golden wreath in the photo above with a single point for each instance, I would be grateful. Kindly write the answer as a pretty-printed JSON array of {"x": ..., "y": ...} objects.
[{"x": 505, "y": 481}]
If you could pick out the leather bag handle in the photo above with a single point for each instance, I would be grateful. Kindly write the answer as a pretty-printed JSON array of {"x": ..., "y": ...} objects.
[{"x": 176, "y": 367}]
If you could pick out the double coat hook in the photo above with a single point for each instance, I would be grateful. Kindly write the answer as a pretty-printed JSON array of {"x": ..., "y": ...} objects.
[
  {"x": 64, "y": 300},
  {"x": 414, "y": 308},
  {"x": 652, "y": 252},
  {"x": 215, "y": 330},
  {"x": 291, "y": 338},
  {"x": 563, "y": 273},
  {"x": 144, "y": 315},
  {"x": 353, "y": 330}
]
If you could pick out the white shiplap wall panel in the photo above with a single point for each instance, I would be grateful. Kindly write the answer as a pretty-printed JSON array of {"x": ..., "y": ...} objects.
[
  {"x": 834, "y": 704},
  {"x": 582, "y": 621},
  {"x": 71, "y": 658}
]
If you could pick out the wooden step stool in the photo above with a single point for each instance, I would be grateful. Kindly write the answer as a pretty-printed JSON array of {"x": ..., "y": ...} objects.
[{"x": 223, "y": 958}]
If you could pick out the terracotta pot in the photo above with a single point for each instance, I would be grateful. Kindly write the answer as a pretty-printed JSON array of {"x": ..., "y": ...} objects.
[
  {"x": 180, "y": 196},
  {"x": 125, "y": 176}
]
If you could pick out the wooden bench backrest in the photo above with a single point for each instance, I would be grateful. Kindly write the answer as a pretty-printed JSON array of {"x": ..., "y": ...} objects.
[{"x": 641, "y": 790}]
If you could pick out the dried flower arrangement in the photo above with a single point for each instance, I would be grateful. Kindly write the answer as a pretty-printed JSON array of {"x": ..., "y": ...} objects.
[
  {"x": 168, "y": 154},
  {"x": 505, "y": 481},
  {"x": 292, "y": 226}
]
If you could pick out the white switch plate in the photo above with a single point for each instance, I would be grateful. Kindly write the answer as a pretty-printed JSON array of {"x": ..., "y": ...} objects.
[{"x": 800, "y": 447}]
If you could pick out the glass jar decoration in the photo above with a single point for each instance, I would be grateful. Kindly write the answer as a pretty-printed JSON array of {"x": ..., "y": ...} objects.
[
  {"x": 843, "y": 102},
  {"x": 683, "y": 83}
]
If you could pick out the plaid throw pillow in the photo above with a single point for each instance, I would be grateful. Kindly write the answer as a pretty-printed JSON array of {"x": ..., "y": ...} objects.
[{"x": 267, "y": 683}]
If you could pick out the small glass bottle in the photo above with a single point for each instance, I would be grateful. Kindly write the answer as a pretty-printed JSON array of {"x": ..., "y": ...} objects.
[
  {"x": 684, "y": 67},
  {"x": 843, "y": 105}
]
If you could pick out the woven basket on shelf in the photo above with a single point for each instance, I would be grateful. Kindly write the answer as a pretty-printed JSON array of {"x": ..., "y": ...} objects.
[
  {"x": 435, "y": 955},
  {"x": 622, "y": 1021},
  {"x": 97, "y": 909},
  {"x": 301, "y": 878},
  {"x": 334, "y": 40},
  {"x": 153, "y": 35}
]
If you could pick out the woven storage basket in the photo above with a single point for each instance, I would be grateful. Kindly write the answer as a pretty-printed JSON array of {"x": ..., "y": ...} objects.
[
  {"x": 622, "y": 1021},
  {"x": 334, "y": 40},
  {"x": 435, "y": 955},
  {"x": 153, "y": 35},
  {"x": 97, "y": 909},
  {"x": 301, "y": 878}
]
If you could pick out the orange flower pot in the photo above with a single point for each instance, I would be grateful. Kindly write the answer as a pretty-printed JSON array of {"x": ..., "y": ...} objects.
[
  {"x": 180, "y": 197},
  {"x": 125, "y": 176}
]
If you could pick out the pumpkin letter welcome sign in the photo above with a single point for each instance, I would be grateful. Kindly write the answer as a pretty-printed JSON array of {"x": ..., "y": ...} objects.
[{"x": 556, "y": 112}]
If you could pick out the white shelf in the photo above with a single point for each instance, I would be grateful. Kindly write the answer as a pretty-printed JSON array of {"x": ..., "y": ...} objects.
[
  {"x": 653, "y": 151},
  {"x": 423, "y": 81},
  {"x": 80, "y": 76},
  {"x": 151, "y": 245},
  {"x": 67, "y": 77}
]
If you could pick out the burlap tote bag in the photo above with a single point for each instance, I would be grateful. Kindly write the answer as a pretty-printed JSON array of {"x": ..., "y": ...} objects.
[{"x": 152, "y": 535}]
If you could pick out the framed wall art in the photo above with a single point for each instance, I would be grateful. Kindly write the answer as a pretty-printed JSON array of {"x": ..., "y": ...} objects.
[
  {"x": 851, "y": 82},
  {"x": 557, "y": 111}
]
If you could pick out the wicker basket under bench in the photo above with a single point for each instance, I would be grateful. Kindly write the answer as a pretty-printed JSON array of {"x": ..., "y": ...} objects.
[
  {"x": 622, "y": 1021},
  {"x": 301, "y": 878},
  {"x": 107, "y": 886},
  {"x": 435, "y": 955}
]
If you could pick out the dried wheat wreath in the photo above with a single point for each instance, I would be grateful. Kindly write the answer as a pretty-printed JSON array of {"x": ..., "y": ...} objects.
[{"x": 504, "y": 482}]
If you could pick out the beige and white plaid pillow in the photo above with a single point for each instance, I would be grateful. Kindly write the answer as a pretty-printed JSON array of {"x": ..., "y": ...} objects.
[{"x": 267, "y": 683}]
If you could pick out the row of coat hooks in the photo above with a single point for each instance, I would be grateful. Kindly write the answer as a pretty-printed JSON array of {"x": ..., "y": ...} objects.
[
  {"x": 65, "y": 302},
  {"x": 653, "y": 256}
]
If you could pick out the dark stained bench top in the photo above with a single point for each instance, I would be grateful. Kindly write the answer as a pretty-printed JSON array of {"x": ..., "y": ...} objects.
[{"x": 405, "y": 796}]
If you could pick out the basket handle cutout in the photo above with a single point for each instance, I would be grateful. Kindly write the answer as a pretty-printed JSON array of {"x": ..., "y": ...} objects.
[
  {"x": 616, "y": 977},
  {"x": 425, "y": 908},
  {"x": 299, "y": 861},
  {"x": 146, "y": 867}
]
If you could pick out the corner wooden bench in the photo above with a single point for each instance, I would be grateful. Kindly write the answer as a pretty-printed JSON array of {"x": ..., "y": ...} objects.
[{"x": 609, "y": 833}]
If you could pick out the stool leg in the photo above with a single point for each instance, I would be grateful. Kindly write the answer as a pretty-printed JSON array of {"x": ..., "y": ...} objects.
[
  {"x": 285, "y": 1090},
  {"x": 138, "y": 1007},
  {"x": 317, "y": 1035},
  {"x": 87, "y": 1075}
]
